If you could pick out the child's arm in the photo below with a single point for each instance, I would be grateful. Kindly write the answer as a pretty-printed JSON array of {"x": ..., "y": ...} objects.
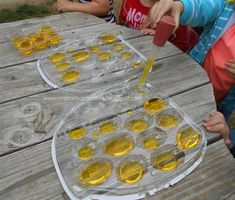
[
  {"x": 191, "y": 12},
  {"x": 98, "y": 8},
  {"x": 215, "y": 122},
  {"x": 230, "y": 67}
]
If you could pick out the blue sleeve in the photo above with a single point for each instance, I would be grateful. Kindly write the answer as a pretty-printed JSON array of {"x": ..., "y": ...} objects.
[{"x": 201, "y": 12}]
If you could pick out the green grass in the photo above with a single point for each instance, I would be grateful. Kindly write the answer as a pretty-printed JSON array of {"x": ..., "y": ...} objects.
[{"x": 23, "y": 12}]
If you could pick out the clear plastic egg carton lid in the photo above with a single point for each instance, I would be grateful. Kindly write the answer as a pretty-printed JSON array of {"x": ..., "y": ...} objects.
[
  {"x": 88, "y": 65},
  {"x": 134, "y": 147}
]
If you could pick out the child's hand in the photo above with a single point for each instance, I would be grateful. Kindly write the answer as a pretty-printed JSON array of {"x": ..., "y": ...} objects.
[
  {"x": 215, "y": 122},
  {"x": 230, "y": 68},
  {"x": 63, "y": 5},
  {"x": 160, "y": 8}
]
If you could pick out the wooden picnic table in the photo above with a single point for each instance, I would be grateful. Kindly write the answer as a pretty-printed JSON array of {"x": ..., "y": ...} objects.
[{"x": 27, "y": 171}]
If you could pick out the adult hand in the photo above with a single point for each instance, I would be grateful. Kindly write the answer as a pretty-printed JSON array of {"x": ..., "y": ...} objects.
[{"x": 64, "y": 5}]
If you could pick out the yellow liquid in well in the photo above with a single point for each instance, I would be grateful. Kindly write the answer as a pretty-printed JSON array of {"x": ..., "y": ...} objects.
[
  {"x": 166, "y": 162},
  {"x": 151, "y": 143},
  {"x": 85, "y": 153},
  {"x": 136, "y": 64},
  {"x": 118, "y": 47},
  {"x": 187, "y": 138},
  {"x": 126, "y": 55},
  {"x": 108, "y": 127},
  {"x": 39, "y": 41},
  {"x": 138, "y": 126},
  {"x": 108, "y": 38},
  {"x": 95, "y": 173},
  {"x": 48, "y": 30},
  {"x": 58, "y": 57},
  {"x": 26, "y": 47},
  {"x": 104, "y": 56},
  {"x": 77, "y": 134},
  {"x": 169, "y": 121},
  {"x": 118, "y": 146},
  {"x": 154, "y": 105},
  {"x": 17, "y": 40},
  {"x": 147, "y": 69},
  {"x": 54, "y": 39},
  {"x": 70, "y": 77},
  {"x": 95, "y": 48},
  {"x": 62, "y": 67},
  {"x": 80, "y": 56},
  {"x": 131, "y": 172}
]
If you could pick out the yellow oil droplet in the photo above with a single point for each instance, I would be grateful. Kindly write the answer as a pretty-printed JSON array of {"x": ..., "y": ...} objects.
[
  {"x": 187, "y": 138},
  {"x": 70, "y": 50},
  {"x": 118, "y": 146},
  {"x": 118, "y": 47},
  {"x": 166, "y": 161},
  {"x": 126, "y": 55},
  {"x": 168, "y": 121},
  {"x": 138, "y": 126},
  {"x": 131, "y": 172},
  {"x": 147, "y": 69},
  {"x": 107, "y": 127},
  {"x": 57, "y": 57},
  {"x": 62, "y": 67},
  {"x": 80, "y": 56},
  {"x": 85, "y": 153},
  {"x": 40, "y": 41},
  {"x": 95, "y": 135},
  {"x": 95, "y": 48},
  {"x": 108, "y": 38},
  {"x": 129, "y": 112},
  {"x": 48, "y": 30},
  {"x": 70, "y": 77},
  {"x": 136, "y": 64},
  {"x": 26, "y": 47},
  {"x": 77, "y": 134},
  {"x": 95, "y": 173},
  {"x": 154, "y": 105},
  {"x": 104, "y": 56},
  {"x": 54, "y": 39},
  {"x": 151, "y": 142}
]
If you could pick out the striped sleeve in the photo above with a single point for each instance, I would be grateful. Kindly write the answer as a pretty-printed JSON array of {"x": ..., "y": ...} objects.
[{"x": 201, "y": 12}]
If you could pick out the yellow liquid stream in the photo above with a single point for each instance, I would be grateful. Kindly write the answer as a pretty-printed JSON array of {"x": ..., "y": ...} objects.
[
  {"x": 80, "y": 56},
  {"x": 168, "y": 121},
  {"x": 70, "y": 77},
  {"x": 126, "y": 55},
  {"x": 154, "y": 105},
  {"x": 85, "y": 153},
  {"x": 151, "y": 143},
  {"x": 166, "y": 162},
  {"x": 147, "y": 69},
  {"x": 77, "y": 134},
  {"x": 138, "y": 126},
  {"x": 187, "y": 138},
  {"x": 118, "y": 47},
  {"x": 57, "y": 57},
  {"x": 107, "y": 128},
  {"x": 95, "y": 173},
  {"x": 108, "y": 38},
  {"x": 25, "y": 47},
  {"x": 104, "y": 56},
  {"x": 131, "y": 172},
  {"x": 118, "y": 146},
  {"x": 95, "y": 48},
  {"x": 62, "y": 67}
]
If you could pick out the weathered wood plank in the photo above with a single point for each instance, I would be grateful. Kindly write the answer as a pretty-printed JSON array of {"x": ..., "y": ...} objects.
[
  {"x": 29, "y": 175},
  {"x": 196, "y": 103},
  {"x": 10, "y": 56},
  {"x": 22, "y": 80},
  {"x": 62, "y": 22}
]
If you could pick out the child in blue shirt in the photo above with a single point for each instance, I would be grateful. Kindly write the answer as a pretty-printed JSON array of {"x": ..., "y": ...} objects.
[{"x": 224, "y": 123}]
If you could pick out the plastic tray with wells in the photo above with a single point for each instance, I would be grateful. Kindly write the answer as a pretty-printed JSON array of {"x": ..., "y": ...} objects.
[
  {"x": 125, "y": 144},
  {"x": 86, "y": 65}
]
